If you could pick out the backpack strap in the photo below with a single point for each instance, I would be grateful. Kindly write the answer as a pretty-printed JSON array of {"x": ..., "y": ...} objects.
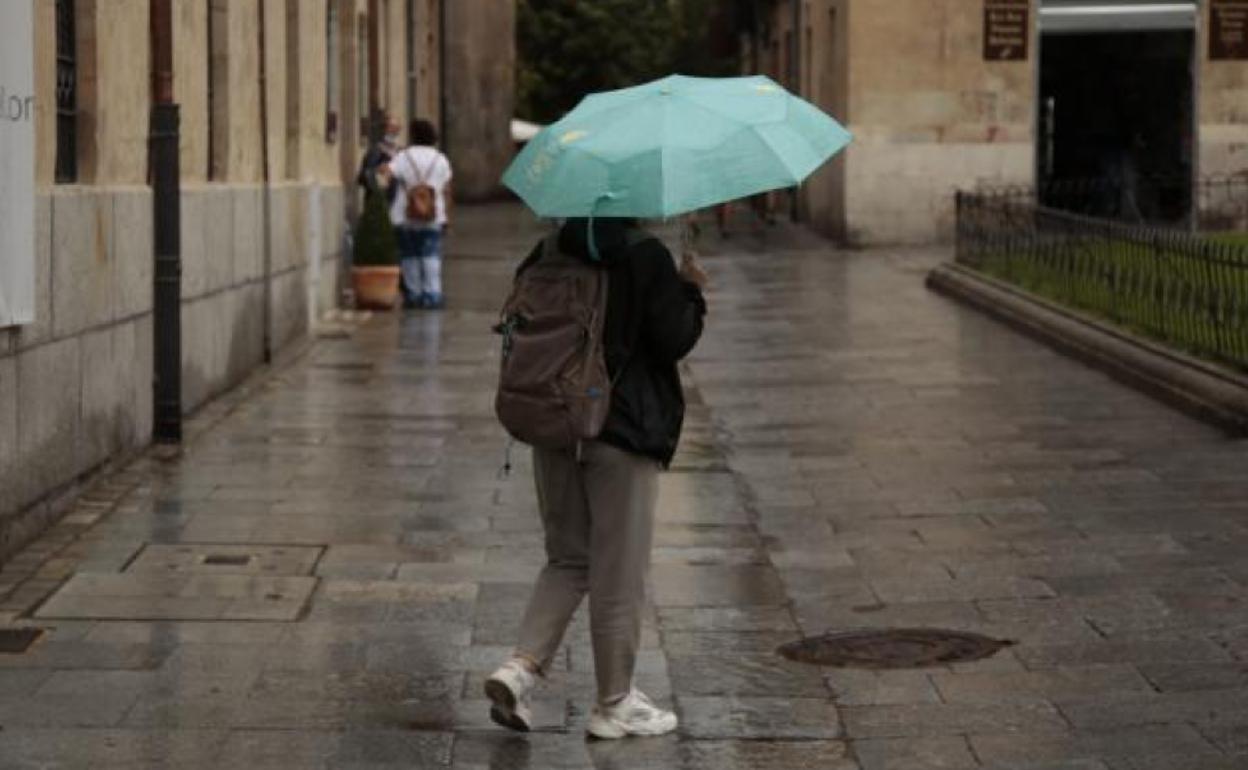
[
  {"x": 550, "y": 245},
  {"x": 421, "y": 177}
]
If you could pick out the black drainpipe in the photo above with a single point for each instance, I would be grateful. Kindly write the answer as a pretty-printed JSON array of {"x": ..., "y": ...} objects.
[
  {"x": 265, "y": 202},
  {"x": 166, "y": 233},
  {"x": 796, "y": 55},
  {"x": 444, "y": 135}
]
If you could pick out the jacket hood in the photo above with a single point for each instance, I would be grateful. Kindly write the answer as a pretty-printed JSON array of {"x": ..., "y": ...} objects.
[{"x": 610, "y": 236}]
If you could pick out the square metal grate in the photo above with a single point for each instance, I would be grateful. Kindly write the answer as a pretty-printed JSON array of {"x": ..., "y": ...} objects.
[{"x": 227, "y": 560}]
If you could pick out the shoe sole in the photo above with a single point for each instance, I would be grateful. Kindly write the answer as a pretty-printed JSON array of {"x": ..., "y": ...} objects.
[
  {"x": 503, "y": 711},
  {"x": 610, "y": 731}
]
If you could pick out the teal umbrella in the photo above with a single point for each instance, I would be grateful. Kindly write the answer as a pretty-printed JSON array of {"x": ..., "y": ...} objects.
[{"x": 672, "y": 146}]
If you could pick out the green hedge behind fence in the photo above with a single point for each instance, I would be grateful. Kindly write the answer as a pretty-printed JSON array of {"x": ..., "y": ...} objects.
[{"x": 1189, "y": 290}]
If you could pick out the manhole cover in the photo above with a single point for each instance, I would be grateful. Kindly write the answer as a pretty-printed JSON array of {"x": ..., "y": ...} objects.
[
  {"x": 14, "y": 641},
  {"x": 892, "y": 648}
]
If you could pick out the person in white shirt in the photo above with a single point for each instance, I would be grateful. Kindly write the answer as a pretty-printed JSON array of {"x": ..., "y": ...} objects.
[{"x": 421, "y": 170}]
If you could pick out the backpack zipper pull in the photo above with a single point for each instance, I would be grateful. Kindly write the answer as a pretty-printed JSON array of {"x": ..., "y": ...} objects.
[{"x": 505, "y": 471}]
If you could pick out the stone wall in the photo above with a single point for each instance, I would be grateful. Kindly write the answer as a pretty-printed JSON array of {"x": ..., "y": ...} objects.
[
  {"x": 826, "y": 84},
  {"x": 224, "y": 276},
  {"x": 929, "y": 116},
  {"x": 480, "y": 93},
  {"x": 428, "y": 61},
  {"x": 927, "y": 113},
  {"x": 76, "y": 385}
]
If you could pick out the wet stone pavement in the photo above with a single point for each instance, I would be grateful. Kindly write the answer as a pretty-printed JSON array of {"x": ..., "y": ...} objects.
[{"x": 324, "y": 577}]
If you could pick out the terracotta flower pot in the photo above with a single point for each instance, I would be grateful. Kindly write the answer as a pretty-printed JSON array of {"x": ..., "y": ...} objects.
[{"x": 376, "y": 288}]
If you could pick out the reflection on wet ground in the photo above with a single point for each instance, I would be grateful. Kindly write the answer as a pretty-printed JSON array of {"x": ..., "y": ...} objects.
[{"x": 325, "y": 576}]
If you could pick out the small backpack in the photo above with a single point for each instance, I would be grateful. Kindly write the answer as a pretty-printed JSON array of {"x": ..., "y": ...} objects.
[
  {"x": 554, "y": 391},
  {"x": 422, "y": 199}
]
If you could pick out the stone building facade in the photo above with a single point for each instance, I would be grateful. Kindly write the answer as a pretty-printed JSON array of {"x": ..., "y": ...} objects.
[
  {"x": 480, "y": 93},
  {"x": 933, "y": 110},
  {"x": 76, "y": 385}
]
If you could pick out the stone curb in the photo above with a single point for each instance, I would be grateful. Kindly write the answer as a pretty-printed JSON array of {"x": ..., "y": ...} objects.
[{"x": 1204, "y": 390}]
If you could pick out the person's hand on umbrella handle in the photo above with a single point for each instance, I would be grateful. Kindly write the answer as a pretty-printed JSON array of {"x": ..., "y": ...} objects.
[{"x": 691, "y": 270}]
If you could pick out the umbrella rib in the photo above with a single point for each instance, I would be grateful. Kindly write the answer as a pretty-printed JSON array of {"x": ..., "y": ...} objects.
[{"x": 663, "y": 150}]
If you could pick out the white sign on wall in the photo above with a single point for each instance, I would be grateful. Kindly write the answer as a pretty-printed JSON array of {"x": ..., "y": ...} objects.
[{"x": 17, "y": 164}]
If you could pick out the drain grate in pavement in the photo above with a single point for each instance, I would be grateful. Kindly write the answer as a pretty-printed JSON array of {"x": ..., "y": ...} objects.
[
  {"x": 15, "y": 641},
  {"x": 345, "y": 366},
  {"x": 892, "y": 648},
  {"x": 227, "y": 560}
]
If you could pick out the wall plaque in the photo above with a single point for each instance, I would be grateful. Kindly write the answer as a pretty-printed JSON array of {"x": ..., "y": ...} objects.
[
  {"x": 17, "y": 165},
  {"x": 1006, "y": 29},
  {"x": 1228, "y": 25}
]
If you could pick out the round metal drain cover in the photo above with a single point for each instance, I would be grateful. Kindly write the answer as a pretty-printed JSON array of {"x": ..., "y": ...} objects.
[{"x": 892, "y": 648}]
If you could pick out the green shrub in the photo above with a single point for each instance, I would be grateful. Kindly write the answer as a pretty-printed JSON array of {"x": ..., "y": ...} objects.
[{"x": 375, "y": 242}]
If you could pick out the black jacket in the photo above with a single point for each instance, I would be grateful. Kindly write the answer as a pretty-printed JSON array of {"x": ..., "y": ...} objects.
[
  {"x": 654, "y": 318},
  {"x": 367, "y": 176}
]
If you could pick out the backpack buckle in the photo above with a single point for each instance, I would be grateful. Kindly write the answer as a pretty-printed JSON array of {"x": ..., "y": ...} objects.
[{"x": 508, "y": 328}]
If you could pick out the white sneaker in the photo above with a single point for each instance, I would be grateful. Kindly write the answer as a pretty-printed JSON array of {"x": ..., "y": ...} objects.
[
  {"x": 508, "y": 690},
  {"x": 635, "y": 715}
]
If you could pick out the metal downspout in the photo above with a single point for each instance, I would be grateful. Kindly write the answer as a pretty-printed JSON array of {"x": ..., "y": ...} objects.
[
  {"x": 266, "y": 203},
  {"x": 444, "y": 135},
  {"x": 166, "y": 233},
  {"x": 795, "y": 55}
]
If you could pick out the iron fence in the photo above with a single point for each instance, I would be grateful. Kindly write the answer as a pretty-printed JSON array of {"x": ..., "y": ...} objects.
[
  {"x": 1186, "y": 289},
  {"x": 1208, "y": 203}
]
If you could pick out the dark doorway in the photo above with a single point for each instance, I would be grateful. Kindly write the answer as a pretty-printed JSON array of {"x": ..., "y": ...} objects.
[{"x": 1116, "y": 116}]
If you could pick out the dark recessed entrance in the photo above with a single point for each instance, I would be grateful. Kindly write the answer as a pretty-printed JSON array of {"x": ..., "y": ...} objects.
[
  {"x": 892, "y": 648},
  {"x": 1117, "y": 107}
]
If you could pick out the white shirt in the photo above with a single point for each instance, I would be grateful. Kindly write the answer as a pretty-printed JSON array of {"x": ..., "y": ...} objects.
[{"x": 419, "y": 164}]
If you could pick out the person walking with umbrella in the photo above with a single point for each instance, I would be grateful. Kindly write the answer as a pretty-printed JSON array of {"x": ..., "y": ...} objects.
[
  {"x": 598, "y": 395},
  {"x": 598, "y": 500}
]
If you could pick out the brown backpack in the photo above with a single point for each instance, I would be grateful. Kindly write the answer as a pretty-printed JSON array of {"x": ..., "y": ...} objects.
[
  {"x": 422, "y": 205},
  {"x": 553, "y": 388}
]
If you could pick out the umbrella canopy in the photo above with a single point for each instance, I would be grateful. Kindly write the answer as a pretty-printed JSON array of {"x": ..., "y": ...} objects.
[{"x": 672, "y": 146}]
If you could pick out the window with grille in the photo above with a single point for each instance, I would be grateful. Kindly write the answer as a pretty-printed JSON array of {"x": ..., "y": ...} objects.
[
  {"x": 383, "y": 46},
  {"x": 411, "y": 58},
  {"x": 361, "y": 89},
  {"x": 212, "y": 88},
  {"x": 66, "y": 93}
]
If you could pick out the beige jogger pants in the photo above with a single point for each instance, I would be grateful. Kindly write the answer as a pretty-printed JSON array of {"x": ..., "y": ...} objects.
[{"x": 599, "y": 520}]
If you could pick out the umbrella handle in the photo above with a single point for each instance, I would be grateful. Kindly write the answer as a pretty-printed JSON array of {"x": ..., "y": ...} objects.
[{"x": 593, "y": 245}]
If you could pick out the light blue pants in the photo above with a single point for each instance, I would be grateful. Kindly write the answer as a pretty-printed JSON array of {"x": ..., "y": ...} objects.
[{"x": 421, "y": 260}]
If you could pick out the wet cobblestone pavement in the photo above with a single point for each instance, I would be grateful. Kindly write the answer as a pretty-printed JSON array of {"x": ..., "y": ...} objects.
[{"x": 326, "y": 575}]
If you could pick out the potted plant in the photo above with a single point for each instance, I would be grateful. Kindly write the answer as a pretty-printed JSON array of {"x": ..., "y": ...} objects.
[{"x": 375, "y": 269}]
